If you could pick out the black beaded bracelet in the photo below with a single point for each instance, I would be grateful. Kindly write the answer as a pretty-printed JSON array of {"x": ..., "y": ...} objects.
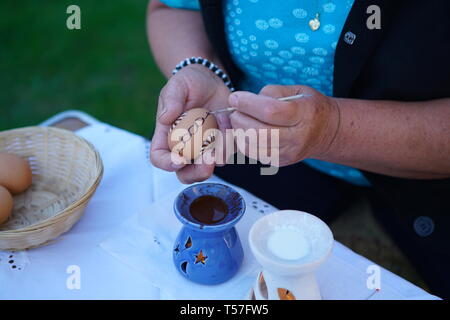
[{"x": 211, "y": 66}]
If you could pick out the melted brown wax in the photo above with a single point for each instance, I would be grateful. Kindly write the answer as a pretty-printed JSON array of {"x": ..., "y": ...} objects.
[{"x": 208, "y": 209}]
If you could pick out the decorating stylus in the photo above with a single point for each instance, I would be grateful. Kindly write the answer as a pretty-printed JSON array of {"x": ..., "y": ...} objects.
[{"x": 290, "y": 98}]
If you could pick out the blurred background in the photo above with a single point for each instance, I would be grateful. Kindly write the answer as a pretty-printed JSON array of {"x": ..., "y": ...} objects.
[{"x": 106, "y": 69}]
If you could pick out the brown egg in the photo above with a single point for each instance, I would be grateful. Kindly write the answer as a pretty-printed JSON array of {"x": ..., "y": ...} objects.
[
  {"x": 6, "y": 204},
  {"x": 193, "y": 133},
  {"x": 15, "y": 173}
]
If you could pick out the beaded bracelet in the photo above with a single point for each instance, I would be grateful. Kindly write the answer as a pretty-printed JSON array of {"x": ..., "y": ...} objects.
[{"x": 211, "y": 66}]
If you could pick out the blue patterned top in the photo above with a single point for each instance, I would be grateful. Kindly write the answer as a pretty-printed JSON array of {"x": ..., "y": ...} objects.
[{"x": 272, "y": 43}]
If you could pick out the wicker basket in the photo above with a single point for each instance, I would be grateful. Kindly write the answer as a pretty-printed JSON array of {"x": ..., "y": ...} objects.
[{"x": 66, "y": 172}]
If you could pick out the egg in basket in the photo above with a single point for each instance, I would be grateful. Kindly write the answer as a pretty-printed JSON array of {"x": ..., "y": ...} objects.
[{"x": 65, "y": 172}]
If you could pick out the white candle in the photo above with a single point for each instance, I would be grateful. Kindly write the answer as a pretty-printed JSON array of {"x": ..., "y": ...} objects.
[{"x": 288, "y": 244}]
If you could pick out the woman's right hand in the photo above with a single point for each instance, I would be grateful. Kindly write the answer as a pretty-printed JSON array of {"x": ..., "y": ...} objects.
[{"x": 193, "y": 86}]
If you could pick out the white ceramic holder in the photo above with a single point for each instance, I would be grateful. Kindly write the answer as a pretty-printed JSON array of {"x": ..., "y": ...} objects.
[{"x": 290, "y": 245}]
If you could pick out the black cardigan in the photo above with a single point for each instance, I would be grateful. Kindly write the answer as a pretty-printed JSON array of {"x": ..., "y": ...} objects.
[{"x": 408, "y": 59}]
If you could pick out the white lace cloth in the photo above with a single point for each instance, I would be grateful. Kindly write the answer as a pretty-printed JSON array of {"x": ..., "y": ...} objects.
[
  {"x": 13, "y": 261},
  {"x": 106, "y": 250}
]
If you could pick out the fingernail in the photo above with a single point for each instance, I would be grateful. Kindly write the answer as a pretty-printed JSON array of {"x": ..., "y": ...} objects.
[
  {"x": 234, "y": 100},
  {"x": 163, "y": 109},
  {"x": 177, "y": 166}
]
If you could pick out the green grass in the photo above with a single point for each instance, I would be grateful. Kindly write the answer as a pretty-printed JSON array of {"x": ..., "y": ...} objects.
[{"x": 105, "y": 69}]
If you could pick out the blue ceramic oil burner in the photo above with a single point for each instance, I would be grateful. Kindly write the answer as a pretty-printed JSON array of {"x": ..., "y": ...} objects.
[{"x": 208, "y": 253}]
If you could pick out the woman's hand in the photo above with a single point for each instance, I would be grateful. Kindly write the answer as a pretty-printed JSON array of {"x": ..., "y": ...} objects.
[
  {"x": 192, "y": 87},
  {"x": 307, "y": 126}
]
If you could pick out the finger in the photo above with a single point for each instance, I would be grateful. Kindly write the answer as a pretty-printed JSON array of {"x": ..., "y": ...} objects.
[
  {"x": 240, "y": 120},
  {"x": 257, "y": 137},
  {"x": 160, "y": 155},
  {"x": 195, "y": 173},
  {"x": 172, "y": 100},
  {"x": 277, "y": 91},
  {"x": 223, "y": 121},
  {"x": 266, "y": 109}
]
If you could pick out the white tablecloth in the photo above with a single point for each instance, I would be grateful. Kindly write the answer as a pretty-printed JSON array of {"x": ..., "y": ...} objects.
[{"x": 130, "y": 185}]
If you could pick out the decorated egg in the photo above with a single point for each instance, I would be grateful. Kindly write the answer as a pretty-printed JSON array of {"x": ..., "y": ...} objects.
[{"x": 192, "y": 133}]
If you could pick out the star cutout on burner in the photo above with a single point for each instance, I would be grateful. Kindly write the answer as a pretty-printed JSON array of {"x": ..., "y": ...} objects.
[
  {"x": 200, "y": 257},
  {"x": 177, "y": 249}
]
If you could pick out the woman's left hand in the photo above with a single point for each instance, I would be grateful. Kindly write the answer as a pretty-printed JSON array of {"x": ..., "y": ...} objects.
[{"x": 307, "y": 126}]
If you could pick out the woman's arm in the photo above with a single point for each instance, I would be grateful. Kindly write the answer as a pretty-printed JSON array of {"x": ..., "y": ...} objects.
[
  {"x": 175, "y": 35},
  {"x": 403, "y": 139}
]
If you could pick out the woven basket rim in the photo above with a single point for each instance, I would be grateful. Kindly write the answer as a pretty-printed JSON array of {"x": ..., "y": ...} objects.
[{"x": 83, "y": 198}]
